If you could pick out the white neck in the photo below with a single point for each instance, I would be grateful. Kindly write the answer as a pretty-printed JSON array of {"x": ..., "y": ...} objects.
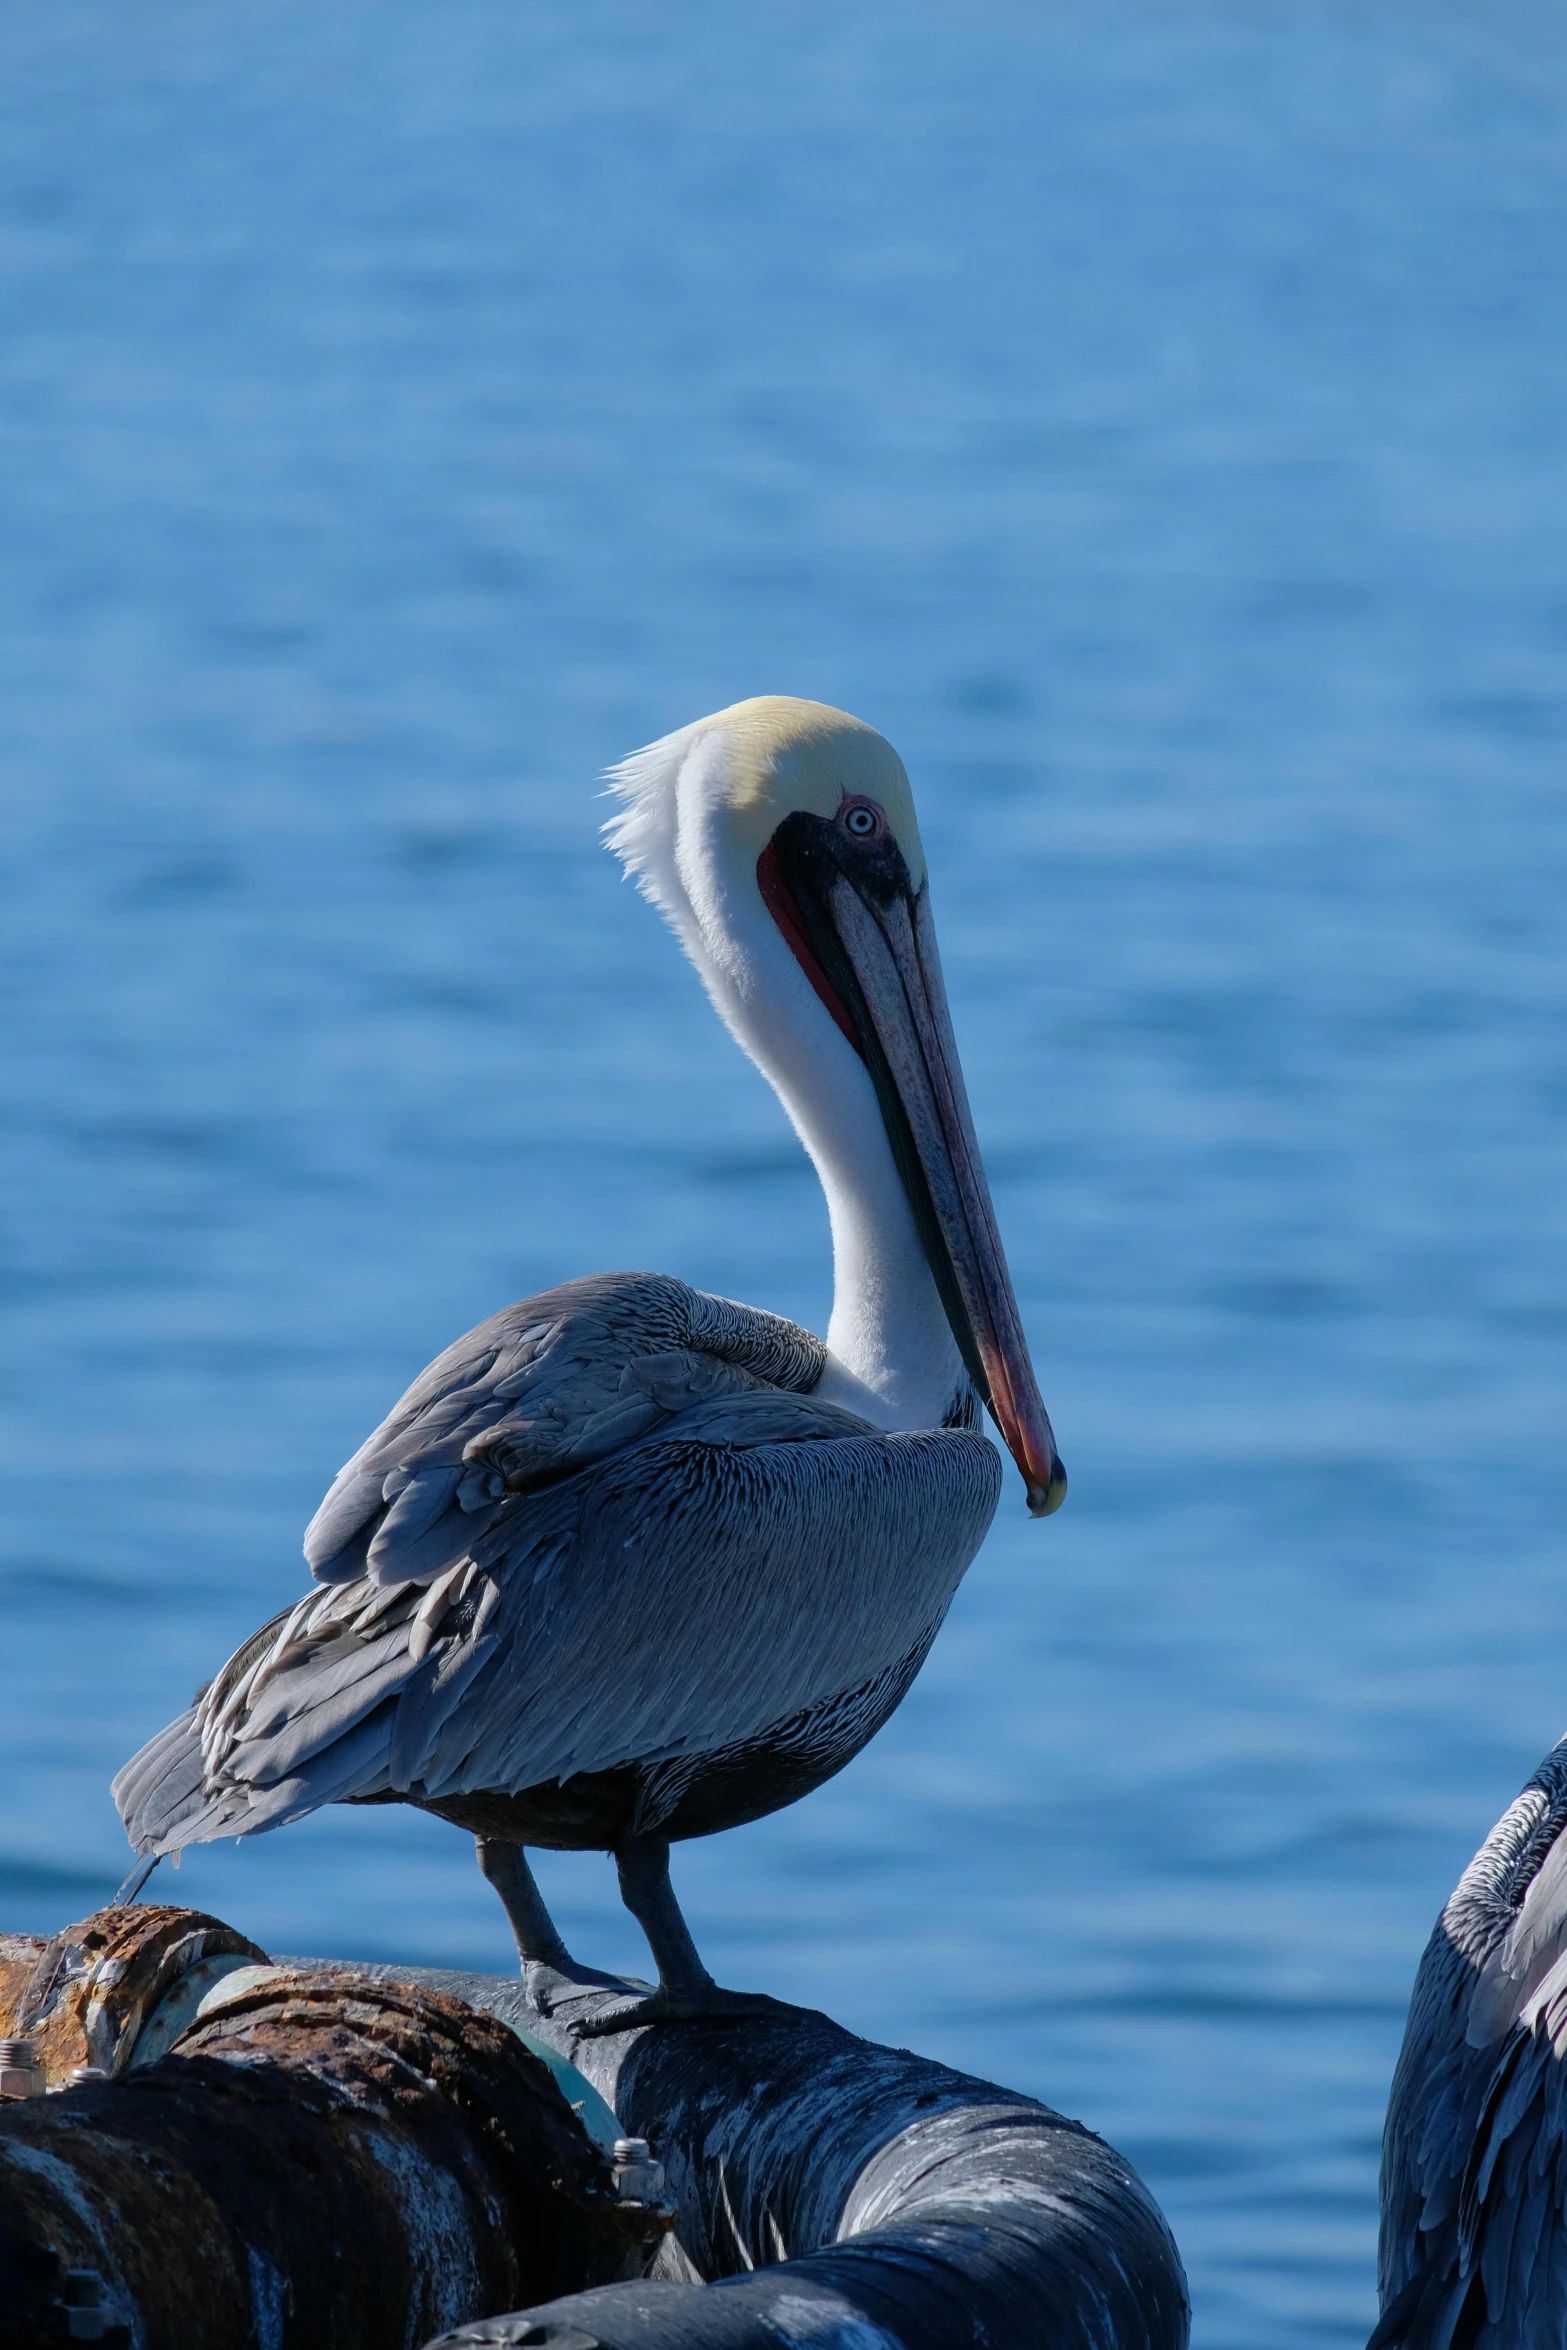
[
  {"x": 891, "y": 1352},
  {"x": 891, "y": 1355}
]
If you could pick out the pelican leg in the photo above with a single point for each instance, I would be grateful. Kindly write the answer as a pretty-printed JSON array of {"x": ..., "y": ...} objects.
[
  {"x": 643, "y": 1865},
  {"x": 507, "y": 1869},
  {"x": 685, "y": 1988},
  {"x": 549, "y": 1972}
]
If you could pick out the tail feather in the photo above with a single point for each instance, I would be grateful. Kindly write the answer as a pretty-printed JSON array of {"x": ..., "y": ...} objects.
[
  {"x": 166, "y": 1801},
  {"x": 160, "y": 1786}
]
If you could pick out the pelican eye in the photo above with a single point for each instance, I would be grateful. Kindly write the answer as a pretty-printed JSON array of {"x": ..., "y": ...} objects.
[{"x": 861, "y": 821}]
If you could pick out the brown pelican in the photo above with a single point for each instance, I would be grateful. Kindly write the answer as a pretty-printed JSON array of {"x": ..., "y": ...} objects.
[
  {"x": 1474, "y": 2157},
  {"x": 629, "y": 1563}
]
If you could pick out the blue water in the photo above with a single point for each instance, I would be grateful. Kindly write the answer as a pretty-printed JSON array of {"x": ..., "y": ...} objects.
[{"x": 1155, "y": 418}]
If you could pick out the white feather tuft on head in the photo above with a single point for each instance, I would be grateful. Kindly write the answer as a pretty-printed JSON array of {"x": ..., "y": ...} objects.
[{"x": 643, "y": 832}]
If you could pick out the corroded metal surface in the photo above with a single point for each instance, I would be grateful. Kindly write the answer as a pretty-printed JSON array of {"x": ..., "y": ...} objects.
[
  {"x": 324, "y": 2159},
  {"x": 91, "y": 1988},
  {"x": 19, "y": 1954}
]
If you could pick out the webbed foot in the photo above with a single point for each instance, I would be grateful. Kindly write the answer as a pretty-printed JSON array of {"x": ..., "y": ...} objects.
[
  {"x": 665, "y": 2006},
  {"x": 552, "y": 1987}
]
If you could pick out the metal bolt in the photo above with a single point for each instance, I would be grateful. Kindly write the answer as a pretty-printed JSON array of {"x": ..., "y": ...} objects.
[
  {"x": 638, "y": 2178},
  {"x": 80, "y": 2076},
  {"x": 87, "y": 2316},
  {"x": 21, "y": 2074}
]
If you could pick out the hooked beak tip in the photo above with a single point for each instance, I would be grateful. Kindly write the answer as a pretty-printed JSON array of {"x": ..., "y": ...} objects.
[{"x": 1045, "y": 1500}]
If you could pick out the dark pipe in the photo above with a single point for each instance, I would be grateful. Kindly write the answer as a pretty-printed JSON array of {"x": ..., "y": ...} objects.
[{"x": 826, "y": 2184}]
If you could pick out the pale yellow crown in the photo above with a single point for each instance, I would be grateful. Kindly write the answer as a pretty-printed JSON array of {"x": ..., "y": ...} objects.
[
  {"x": 789, "y": 755},
  {"x": 783, "y": 755}
]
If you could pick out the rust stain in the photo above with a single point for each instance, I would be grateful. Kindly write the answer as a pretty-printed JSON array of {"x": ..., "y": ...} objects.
[
  {"x": 326, "y": 2162},
  {"x": 19, "y": 1954},
  {"x": 91, "y": 1987}
]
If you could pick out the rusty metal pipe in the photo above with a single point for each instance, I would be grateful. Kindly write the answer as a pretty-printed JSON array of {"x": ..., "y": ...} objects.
[{"x": 323, "y": 2160}]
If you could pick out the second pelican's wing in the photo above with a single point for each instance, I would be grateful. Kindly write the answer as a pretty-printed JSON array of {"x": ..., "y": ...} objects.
[{"x": 1474, "y": 2159}]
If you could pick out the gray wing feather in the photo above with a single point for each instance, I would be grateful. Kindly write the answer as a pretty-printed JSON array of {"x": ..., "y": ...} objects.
[
  {"x": 540, "y": 1390},
  {"x": 167, "y": 1772},
  {"x": 1474, "y": 2163},
  {"x": 609, "y": 1525},
  {"x": 770, "y": 1553}
]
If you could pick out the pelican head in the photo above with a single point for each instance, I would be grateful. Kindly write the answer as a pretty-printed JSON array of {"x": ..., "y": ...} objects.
[{"x": 779, "y": 839}]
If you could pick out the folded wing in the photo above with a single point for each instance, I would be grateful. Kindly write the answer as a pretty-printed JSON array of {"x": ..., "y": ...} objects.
[
  {"x": 538, "y": 1391},
  {"x": 608, "y": 1526}
]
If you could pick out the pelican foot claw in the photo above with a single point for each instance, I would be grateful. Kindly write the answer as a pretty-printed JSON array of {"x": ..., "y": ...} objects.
[{"x": 669, "y": 2007}]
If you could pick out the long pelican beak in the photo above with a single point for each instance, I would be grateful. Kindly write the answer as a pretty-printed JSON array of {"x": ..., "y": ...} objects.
[{"x": 866, "y": 940}]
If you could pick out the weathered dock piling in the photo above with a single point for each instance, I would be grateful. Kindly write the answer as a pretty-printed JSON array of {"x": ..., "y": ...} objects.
[{"x": 304, "y": 2160}]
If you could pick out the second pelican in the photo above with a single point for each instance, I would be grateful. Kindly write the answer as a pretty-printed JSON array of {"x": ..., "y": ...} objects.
[{"x": 629, "y": 1563}]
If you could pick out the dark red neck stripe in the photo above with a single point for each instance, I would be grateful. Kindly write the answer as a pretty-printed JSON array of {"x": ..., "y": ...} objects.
[{"x": 779, "y": 901}]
